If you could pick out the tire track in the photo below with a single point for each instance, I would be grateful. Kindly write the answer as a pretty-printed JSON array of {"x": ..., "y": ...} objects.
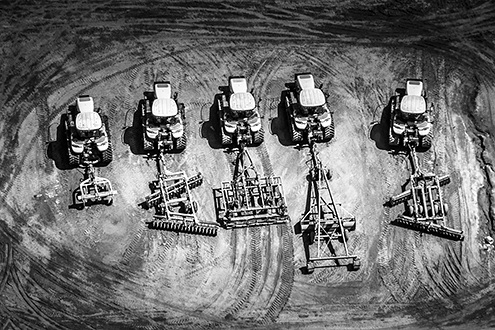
[
  {"x": 132, "y": 247},
  {"x": 7, "y": 261},
  {"x": 19, "y": 289}
]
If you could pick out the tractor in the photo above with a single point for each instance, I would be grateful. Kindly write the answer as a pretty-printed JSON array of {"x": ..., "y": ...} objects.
[
  {"x": 410, "y": 121},
  {"x": 163, "y": 119},
  {"x": 307, "y": 111},
  {"x": 240, "y": 121},
  {"x": 88, "y": 134}
]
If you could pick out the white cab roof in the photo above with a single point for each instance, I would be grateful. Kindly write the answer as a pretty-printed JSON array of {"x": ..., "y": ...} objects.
[
  {"x": 85, "y": 103},
  {"x": 164, "y": 108},
  {"x": 242, "y": 101},
  {"x": 87, "y": 121},
  {"x": 313, "y": 97},
  {"x": 238, "y": 84},
  {"x": 413, "y": 104}
]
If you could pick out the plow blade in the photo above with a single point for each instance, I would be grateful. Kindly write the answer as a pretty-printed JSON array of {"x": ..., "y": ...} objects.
[
  {"x": 183, "y": 227},
  {"x": 430, "y": 228}
]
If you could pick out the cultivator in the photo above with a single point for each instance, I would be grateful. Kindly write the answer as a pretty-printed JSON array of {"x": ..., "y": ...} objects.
[
  {"x": 171, "y": 198},
  {"x": 426, "y": 210},
  {"x": 93, "y": 189},
  {"x": 250, "y": 200},
  {"x": 325, "y": 221}
]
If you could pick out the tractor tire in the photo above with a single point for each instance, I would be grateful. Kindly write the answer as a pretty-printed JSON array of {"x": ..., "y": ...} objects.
[
  {"x": 329, "y": 132},
  {"x": 180, "y": 143},
  {"x": 107, "y": 155},
  {"x": 147, "y": 144},
  {"x": 258, "y": 137},
  {"x": 226, "y": 138},
  {"x": 393, "y": 140},
  {"x": 297, "y": 135},
  {"x": 104, "y": 120},
  {"x": 426, "y": 141},
  {"x": 73, "y": 160}
]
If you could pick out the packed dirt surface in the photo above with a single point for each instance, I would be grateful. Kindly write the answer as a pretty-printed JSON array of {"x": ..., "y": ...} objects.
[{"x": 102, "y": 268}]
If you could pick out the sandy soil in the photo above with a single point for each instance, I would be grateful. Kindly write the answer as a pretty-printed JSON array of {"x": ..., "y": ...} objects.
[{"x": 63, "y": 268}]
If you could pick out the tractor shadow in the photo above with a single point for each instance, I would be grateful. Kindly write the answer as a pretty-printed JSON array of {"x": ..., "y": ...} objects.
[
  {"x": 280, "y": 125},
  {"x": 210, "y": 129},
  {"x": 133, "y": 135},
  {"x": 380, "y": 129},
  {"x": 57, "y": 149}
]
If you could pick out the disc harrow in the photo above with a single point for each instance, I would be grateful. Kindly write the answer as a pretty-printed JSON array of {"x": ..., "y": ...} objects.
[
  {"x": 426, "y": 210},
  {"x": 174, "y": 208}
]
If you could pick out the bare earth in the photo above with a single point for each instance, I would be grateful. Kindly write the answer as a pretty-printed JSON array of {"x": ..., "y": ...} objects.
[{"x": 101, "y": 268}]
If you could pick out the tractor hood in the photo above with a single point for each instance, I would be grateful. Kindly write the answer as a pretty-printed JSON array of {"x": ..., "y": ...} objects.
[
  {"x": 413, "y": 104},
  {"x": 164, "y": 108},
  {"x": 242, "y": 101},
  {"x": 313, "y": 97},
  {"x": 88, "y": 121}
]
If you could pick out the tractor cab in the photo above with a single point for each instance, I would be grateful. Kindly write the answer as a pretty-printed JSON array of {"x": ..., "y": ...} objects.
[
  {"x": 311, "y": 100},
  {"x": 164, "y": 112},
  {"x": 89, "y": 125},
  {"x": 242, "y": 104}
]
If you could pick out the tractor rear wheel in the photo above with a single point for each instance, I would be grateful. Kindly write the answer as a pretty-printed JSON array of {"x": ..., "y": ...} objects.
[
  {"x": 147, "y": 144},
  {"x": 297, "y": 135},
  {"x": 107, "y": 155},
  {"x": 426, "y": 141},
  {"x": 226, "y": 138},
  {"x": 258, "y": 137},
  {"x": 180, "y": 143},
  {"x": 393, "y": 140},
  {"x": 73, "y": 159},
  {"x": 329, "y": 132}
]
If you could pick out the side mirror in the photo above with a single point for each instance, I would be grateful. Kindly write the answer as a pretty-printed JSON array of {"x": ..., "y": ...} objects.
[{"x": 321, "y": 86}]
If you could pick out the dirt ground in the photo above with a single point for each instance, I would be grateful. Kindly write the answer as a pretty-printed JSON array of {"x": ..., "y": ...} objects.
[{"x": 102, "y": 268}]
